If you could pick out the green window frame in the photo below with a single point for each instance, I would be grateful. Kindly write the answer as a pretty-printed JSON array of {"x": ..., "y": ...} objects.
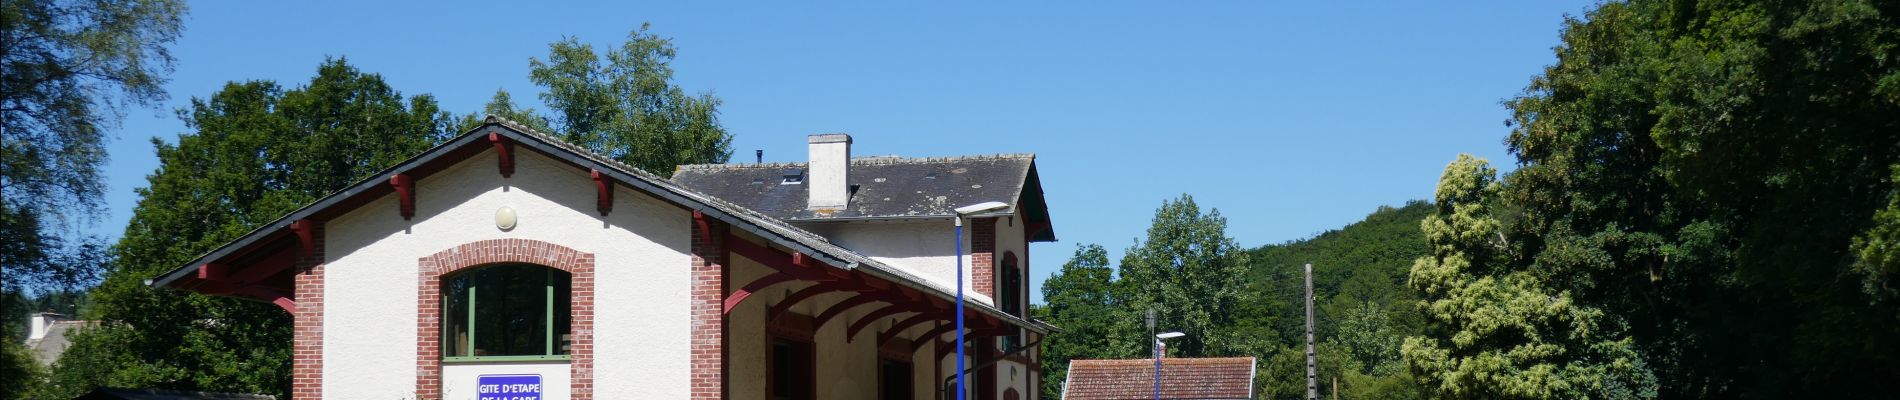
[{"x": 507, "y": 312}]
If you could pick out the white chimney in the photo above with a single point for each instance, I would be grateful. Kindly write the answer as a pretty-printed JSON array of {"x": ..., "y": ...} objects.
[
  {"x": 41, "y": 322},
  {"x": 830, "y": 165}
]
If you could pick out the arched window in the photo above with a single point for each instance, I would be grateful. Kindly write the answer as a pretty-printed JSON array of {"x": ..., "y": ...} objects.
[
  {"x": 507, "y": 311},
  {"x": 1010, "y": 293}
]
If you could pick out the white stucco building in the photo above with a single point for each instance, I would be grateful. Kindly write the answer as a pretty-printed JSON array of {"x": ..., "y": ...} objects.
[{"x": 508, "y": 264}]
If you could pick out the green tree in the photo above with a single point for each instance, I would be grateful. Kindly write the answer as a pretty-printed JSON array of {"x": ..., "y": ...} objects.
[
  {"x": 1366, "y": 261},
  {"x": 1501, "y": 332},
  {"x": 1081, "y": 299},
  {"x": 67, "y": 70},
  {"x": 257, "y": 152},
  {"x": 19, "y": 373},
  {"x": 1191, "y": 274},
  {"x": 1704, "y": 169},
  {"x": 627, "y": 107}
]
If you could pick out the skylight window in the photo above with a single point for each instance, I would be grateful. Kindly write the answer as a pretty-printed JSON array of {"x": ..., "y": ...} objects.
[{"x": 793, "y": 176}]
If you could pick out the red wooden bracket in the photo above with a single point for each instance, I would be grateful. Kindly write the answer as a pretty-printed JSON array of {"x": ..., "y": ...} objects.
[
  {"x": 872, "y": 318},
  {"x": 264, "y": 268},
  {"x": 287, "y": 304},
  {"x": 506, "y": 149},
  {"x": 733, "y": 300},
  {"x": 778, "y": 260},
  {"x": 212, "y": 271},
  {"x": 840, "y": 307},
  {"x": 705, "y": 227},
  {"x": 274, "y": 297},
  {"x": 306, "y": 236},
  {"x": 406, "y": 194},
  {"x": 873, "y": 283},
  {"x": 259, "y": 293},
  {"x": 899, "y": 327},
  {"x": 603, "y": 192},
  {"x": 931, "y": 336}
]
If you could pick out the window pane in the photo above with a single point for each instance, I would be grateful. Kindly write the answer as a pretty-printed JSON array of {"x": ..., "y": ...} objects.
[
  {"x": 791, "y": 370},
  {"x": 563, "y": 317},
  {"x": 511, "y": 311},
  {"x": 455, "y": 318},
  {"x": 896, "y": 377}
]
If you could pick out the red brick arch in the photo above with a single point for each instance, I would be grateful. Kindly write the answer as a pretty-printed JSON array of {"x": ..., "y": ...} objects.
[{"x": 495, "y": 251}]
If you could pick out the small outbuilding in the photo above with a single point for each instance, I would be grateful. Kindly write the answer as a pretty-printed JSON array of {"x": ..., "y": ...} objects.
[{"x": 1181, "y": 378}]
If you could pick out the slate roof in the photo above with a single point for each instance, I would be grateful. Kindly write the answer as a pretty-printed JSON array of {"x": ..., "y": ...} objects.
[
  {"x": 882, "y": 188},
  {"x": 48, "y": 349},
  {"x": 1181, "y": 378},
  {"x": 771, "y": 229}
]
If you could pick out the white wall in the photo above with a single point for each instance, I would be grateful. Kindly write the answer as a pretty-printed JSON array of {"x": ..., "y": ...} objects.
[
  {"x": 926, "y": 249},
  {"x": 642, "y": 269},
  {"x": 1010, "y": 238}
]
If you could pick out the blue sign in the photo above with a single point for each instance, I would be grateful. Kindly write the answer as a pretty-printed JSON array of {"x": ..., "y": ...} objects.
[{"x": 508, "y": 387}]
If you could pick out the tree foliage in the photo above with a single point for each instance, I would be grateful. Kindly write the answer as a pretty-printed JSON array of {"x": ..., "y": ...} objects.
[
  {"x": 256, "y": 153},
  {"x": 1191, "y": 273},
  {"x": 1081, "y": 299},
  {"x": 626, "y": 106},
  {"x": 1186, "y": 269},
  {"x": 1501, "y": 332},
  {"x": 1718, "y": 175},
  {"x": 67, "y": 69}
]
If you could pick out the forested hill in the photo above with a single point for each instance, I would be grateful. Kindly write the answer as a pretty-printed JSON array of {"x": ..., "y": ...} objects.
[
  {"x": 1373, "y": 254},
  {"x": 1386, "y": 242},
  {"x": 1364, "y": 309}
]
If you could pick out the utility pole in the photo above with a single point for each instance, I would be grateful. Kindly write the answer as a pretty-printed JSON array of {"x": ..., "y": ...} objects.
[
  {"x": 1312, "y": 358},
  {"x": 1154, "y": 348}
]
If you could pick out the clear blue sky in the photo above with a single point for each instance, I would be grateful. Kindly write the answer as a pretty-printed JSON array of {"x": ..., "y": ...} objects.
[{"x": 1291, "y": 119}]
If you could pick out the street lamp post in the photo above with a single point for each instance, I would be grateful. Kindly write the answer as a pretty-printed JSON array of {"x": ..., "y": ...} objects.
[
  {"x": 1157, "y": 351},
  {"x": 961, "y": 212}
]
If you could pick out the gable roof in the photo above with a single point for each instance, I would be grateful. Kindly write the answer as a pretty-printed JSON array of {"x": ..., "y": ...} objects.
[
  {"x": 883, "y": 188},
  {"x": 276, "y": 235},
  {"x": 1181, "y": 378}
]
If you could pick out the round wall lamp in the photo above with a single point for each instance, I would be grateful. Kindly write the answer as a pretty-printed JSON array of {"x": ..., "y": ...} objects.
[{"x": 505, "y": 218}]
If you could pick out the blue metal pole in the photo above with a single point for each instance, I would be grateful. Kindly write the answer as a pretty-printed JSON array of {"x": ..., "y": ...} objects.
[
  {"x": 1156, "y": 349},
  {"x": 960, "y": 385}
]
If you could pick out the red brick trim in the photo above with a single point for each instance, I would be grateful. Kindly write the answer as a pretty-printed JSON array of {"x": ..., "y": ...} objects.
[
  {"x": 983, "y": 256},
  {"x": 709, "y": 275},
  {"x": 306, "y": 365},
  {"x": 474, "y": 254}
]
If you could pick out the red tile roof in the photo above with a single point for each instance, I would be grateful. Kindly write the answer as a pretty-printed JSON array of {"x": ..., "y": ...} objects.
[{"x": 1181, "y": 378}]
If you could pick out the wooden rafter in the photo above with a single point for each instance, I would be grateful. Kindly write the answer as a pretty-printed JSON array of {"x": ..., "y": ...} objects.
[
  {"x": 733, "y": 300},
  {"x": 899, "y": 327},
  {"x": 841, "y": 307},
  {"x": 873, "y": 317},
  {"x": 807, "y": 293},
  {"x": 930, "y": 336}
]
